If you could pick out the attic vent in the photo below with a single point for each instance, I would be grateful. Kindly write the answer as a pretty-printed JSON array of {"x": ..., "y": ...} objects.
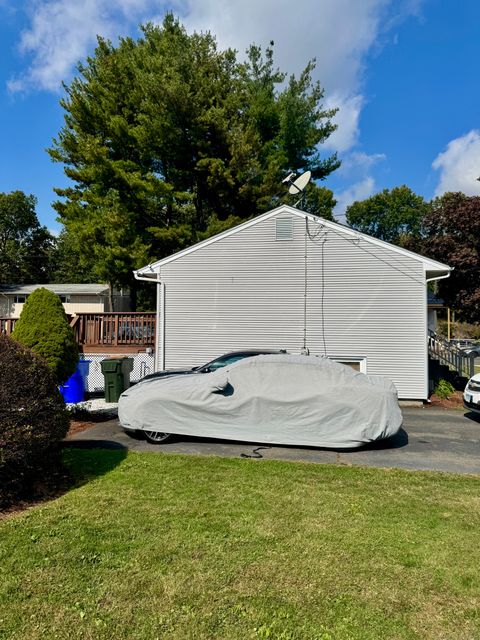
[{"x": 284, "y": 229}]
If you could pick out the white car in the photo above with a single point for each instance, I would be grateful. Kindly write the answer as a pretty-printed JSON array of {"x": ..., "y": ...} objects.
[{"x": 471, "y": 395}]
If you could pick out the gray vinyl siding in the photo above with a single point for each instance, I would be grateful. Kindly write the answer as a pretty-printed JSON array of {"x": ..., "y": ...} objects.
[{"x": 247, "y": 291}]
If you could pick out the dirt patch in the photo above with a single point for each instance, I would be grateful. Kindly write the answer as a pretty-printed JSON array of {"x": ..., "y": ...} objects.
[
  {"x": 76, "y": 426},
  {"x": 455, "y": 401},
  {"x": 84, "y": 420}
]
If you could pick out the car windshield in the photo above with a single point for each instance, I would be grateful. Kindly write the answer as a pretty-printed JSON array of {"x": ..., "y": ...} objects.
[{"x": 221, "y": 362}]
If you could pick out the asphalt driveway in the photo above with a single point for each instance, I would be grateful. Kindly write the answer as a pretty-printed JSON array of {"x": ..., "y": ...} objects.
[{"x": 431, "y": 439}]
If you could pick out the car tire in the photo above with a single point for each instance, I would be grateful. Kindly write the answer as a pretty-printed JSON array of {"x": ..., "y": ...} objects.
[
  {"x": 136, "y": 434},
  {"x": 157, "y": 437}
]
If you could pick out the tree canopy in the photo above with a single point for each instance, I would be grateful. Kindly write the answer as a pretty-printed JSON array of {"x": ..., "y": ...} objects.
[
  {"x": 167, "y": 136},
  {"x": 451, "y": 234},
  {"x": 25, "y": 246},
  {"x": 393, "y": 215}
]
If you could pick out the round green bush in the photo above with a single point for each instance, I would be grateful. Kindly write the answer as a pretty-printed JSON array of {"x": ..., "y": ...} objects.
[
  {"x": 33, "y": 421},
  {"x": 44, "y": 328}
]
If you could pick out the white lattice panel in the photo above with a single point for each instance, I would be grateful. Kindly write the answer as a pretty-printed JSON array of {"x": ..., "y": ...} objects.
[{"x": 143, "y": 363}]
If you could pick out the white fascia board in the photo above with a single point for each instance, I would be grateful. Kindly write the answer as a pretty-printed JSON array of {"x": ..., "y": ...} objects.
[{"x": 429, "y": 265}]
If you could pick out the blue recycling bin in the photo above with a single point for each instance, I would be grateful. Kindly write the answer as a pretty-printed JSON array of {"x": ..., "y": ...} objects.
[
  {"x": 74, "y": 388},
  {"x": 82, "y": 368},
  {"x": 72, "y": 391}
]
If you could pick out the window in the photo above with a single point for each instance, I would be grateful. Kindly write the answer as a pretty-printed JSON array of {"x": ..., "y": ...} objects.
[
  {"x": 283, "y": 228},
  {"x": 20, "y": 298},
  {"x": 64, "y": 298},
  {"x": 359, "y": 363}
]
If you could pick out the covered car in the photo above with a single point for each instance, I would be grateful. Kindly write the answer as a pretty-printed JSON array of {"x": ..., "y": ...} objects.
[
  {"x": 281, "y": 399},
  {"x": 218, "y": 363}
]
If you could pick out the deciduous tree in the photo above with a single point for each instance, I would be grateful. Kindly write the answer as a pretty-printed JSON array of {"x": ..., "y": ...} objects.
[
  {"x": 25, "y": 246},
  {"x": 451, "y": 234},
  {"x": 393, "y": 215}
]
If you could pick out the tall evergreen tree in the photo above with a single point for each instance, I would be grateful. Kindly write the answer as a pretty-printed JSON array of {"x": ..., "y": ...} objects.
[{"x": 167, "y": 134}]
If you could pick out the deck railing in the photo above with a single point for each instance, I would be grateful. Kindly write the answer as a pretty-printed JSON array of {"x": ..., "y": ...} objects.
[
  {"x": 111, "y": 330},
  {"x": 7, "y": 325}
]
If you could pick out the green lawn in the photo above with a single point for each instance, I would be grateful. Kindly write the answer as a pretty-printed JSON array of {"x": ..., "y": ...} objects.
[{"x": 161, "y": 546}]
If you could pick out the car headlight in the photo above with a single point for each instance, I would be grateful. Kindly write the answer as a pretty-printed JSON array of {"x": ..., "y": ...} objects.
[{"x": 473, "y": 385}]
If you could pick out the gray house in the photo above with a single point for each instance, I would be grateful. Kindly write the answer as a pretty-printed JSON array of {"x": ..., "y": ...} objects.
[{"x": 289, "y": 280}]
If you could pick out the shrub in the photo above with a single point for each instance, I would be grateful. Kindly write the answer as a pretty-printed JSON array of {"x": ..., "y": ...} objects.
[
  {"x": 444, "y": 389},
  {"x": 33, "y": 420},
  {"x": 44, "y": 328}
]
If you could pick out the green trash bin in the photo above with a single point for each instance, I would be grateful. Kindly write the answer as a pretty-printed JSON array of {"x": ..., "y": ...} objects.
[{"x": 116, "y": 372}]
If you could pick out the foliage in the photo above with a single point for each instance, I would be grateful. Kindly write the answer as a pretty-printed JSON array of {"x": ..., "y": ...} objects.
[
  {"x": 44, "y": 328},
  {"x": 67, "y": 263},
  {"x": 392, "y": 215},
  {"x": 25, "y": 246},
  {"x": 32, "y": 421},
  {"x": 467, "y": 330},
  {"x": 167, "y": 134},
  {"x": 319, "y": 201},
  {"x": 169, "y": 546},
  {"x": 444, "y": 389},
  {"x": 451, "y": 234}
]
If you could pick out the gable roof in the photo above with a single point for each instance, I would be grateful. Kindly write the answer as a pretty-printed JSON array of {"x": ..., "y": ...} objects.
[{"x": 430, "y": 266}]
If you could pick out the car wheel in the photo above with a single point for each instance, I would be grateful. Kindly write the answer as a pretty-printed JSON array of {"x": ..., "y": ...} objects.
[
  {"x": 135, "y": 434},
  {"x": 157, "y": 437}
]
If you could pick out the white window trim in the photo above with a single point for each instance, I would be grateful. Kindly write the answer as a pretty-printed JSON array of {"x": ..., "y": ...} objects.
[{"x": 362, "y": 360}]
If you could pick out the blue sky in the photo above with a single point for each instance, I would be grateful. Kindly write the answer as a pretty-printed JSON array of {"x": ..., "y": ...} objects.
[{"x": 403, "y": 72}]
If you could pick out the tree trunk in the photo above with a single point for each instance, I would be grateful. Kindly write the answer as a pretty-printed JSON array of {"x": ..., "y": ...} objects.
[
  {"x": 110, "y": 297},
  {"x": 133, "y": 295}
]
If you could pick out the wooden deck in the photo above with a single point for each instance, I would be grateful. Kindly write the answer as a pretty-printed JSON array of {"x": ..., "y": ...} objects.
[{"x": 107, "y": 332}]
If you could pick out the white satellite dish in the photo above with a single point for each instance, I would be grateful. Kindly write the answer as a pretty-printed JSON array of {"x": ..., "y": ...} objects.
[{"x": 300, "y": 183}]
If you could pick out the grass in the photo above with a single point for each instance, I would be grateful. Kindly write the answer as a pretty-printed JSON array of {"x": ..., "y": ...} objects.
[{"x": 160, "y": 546}]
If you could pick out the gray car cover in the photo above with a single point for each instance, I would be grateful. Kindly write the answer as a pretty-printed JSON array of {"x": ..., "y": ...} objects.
[{"x": 283, "y": 399}]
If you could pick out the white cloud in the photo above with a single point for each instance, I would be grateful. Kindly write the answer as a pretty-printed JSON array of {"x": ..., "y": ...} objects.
[
  {"x": 357, "y": 191},
  {"x": 347, "y": 121},
  {"x": 358, "y": 161},
  {"x": 338, "y": 33},
  {"x": 62, "y": 32},
  {"x": 459, "y": 165},
  {"x": 356, "y": 168}
]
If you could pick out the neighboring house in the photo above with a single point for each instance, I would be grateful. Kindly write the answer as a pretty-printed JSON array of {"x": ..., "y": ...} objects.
[
  {"x": 290, "y": 280},
  {"x": 434, "y": 305},
  {"x": 76, "y": 298}
]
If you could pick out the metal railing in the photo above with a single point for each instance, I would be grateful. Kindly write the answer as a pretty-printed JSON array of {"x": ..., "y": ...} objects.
[{"x": 450, "y": 355}]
